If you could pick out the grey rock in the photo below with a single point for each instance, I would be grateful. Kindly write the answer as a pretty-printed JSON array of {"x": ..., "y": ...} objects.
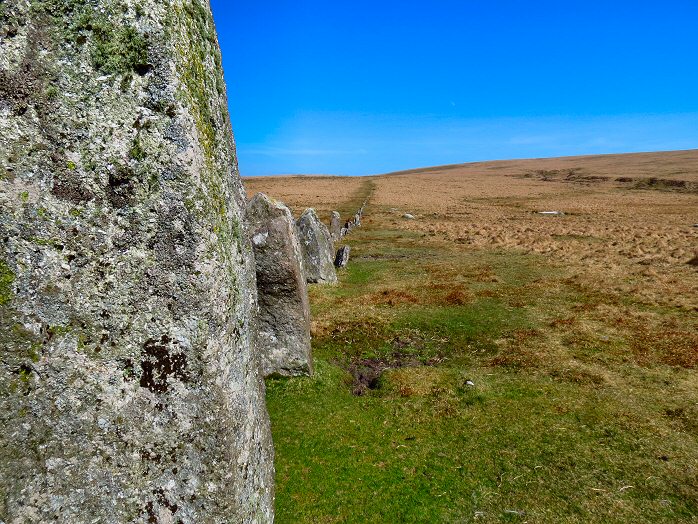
[
  {"x": 342, "y": 257},
  {"x": 335, "y": 226},
  {"x": 317, "y": 248},
  {"x": 129, "y": 390},
  {"x": 408, "y": 216},
  {"x": 283, "y": 322},
  {"x": 352, "y": 223}
]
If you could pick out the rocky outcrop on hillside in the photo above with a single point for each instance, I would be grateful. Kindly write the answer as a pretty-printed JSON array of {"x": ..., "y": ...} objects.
[
  {"x": 129, "y": 391},
  {"x": 283, "y": 321},
  {"x": 318, "y": 249}
]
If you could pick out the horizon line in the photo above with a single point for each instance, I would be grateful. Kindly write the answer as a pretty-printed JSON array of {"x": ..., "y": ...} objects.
[{"x": 453, "y": 166}]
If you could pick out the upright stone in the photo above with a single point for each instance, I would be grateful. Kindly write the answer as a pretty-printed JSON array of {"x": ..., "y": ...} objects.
[
  {"x": 335, "y": 226},
  {"x": 357, "y": 219},
  {"x": 342, "y": 257},
  {"x": 317, "y": 247},
  {"x": 129, "y": 391},
  {"x": 283, "y": 321}
]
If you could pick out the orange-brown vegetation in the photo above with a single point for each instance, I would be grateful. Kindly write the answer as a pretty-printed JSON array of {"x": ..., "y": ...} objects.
[{"x": 623, "y": 237}]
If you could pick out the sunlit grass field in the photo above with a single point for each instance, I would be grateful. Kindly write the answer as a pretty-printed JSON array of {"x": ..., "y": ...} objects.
[{"x": 460, "y": 385}]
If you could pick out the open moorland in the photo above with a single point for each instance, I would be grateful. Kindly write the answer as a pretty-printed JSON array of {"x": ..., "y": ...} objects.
[{"x": 484, "y": 362}]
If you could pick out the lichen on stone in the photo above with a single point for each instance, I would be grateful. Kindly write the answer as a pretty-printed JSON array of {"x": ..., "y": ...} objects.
[
  {"x": 129, "y": 391},
  {"x": 118, "y": 50}
]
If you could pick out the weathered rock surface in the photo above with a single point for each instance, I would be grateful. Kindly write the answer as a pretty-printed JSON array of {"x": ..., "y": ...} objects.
[
  {"x": 342, "y": 257},
  {"x": 335, "y": 226},
  {"x": 283, "y": 321},
  {"x": 129, "y": 391},
  {"x": 317, "y": 247}
]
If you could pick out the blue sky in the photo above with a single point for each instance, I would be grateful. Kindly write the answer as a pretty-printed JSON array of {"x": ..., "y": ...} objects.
[{"x": 366, "y": 87}]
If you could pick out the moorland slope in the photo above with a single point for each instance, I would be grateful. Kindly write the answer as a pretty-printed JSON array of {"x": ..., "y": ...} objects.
[{"x": 485, "y": 362}]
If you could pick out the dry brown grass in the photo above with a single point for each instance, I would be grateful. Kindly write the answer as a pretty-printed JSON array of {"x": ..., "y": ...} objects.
[
  {"x": 618, "y": 238},
  {"x": 616, "y": 243},
  {"x": 457, "y": 297},
  {"x": 393, "y": 297},
  {"x": 615, "y": 237},
  {"x": 324, "y": 193},
  {"x": 663, "y": 342}
]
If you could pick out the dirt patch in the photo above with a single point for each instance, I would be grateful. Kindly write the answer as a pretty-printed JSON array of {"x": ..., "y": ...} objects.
[
  {"x": 575, "y": 174},
  {"x": 367, "y": 372}
]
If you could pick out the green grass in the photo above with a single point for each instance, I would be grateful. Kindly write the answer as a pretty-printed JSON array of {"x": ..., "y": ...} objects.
[
  {"x": 527, "y": 444},
  {"x": 564, "y": 422}
]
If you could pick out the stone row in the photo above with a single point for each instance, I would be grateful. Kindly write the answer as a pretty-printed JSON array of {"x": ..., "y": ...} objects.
[
  {"x": 338, "y": 232},
  {"x": 352, "y": 223},
  {"x": 288, "y": 256}
]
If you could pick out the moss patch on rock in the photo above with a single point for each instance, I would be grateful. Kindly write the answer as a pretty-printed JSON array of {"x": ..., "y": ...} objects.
[
  {"x": 114, "y": 49},
  {"x": 118, "y": 50},
  {"x": 7, "y": 277}
]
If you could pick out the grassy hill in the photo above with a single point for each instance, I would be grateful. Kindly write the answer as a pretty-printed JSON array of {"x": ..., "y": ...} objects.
[{"x": 488, "y": 363}]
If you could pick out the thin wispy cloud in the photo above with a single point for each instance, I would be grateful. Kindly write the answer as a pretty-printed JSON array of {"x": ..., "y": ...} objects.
[
  {"x": 280, "y": 152},
  {"x": 351, "y": 144}
]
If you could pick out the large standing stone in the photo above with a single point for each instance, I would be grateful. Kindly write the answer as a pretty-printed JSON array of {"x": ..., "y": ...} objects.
[
  {"x": 335, "y": 226},
  {"x": 129, "y": 391},
  {"x": 318, "y": 248},
  {"x": 283, "y": 323}
]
